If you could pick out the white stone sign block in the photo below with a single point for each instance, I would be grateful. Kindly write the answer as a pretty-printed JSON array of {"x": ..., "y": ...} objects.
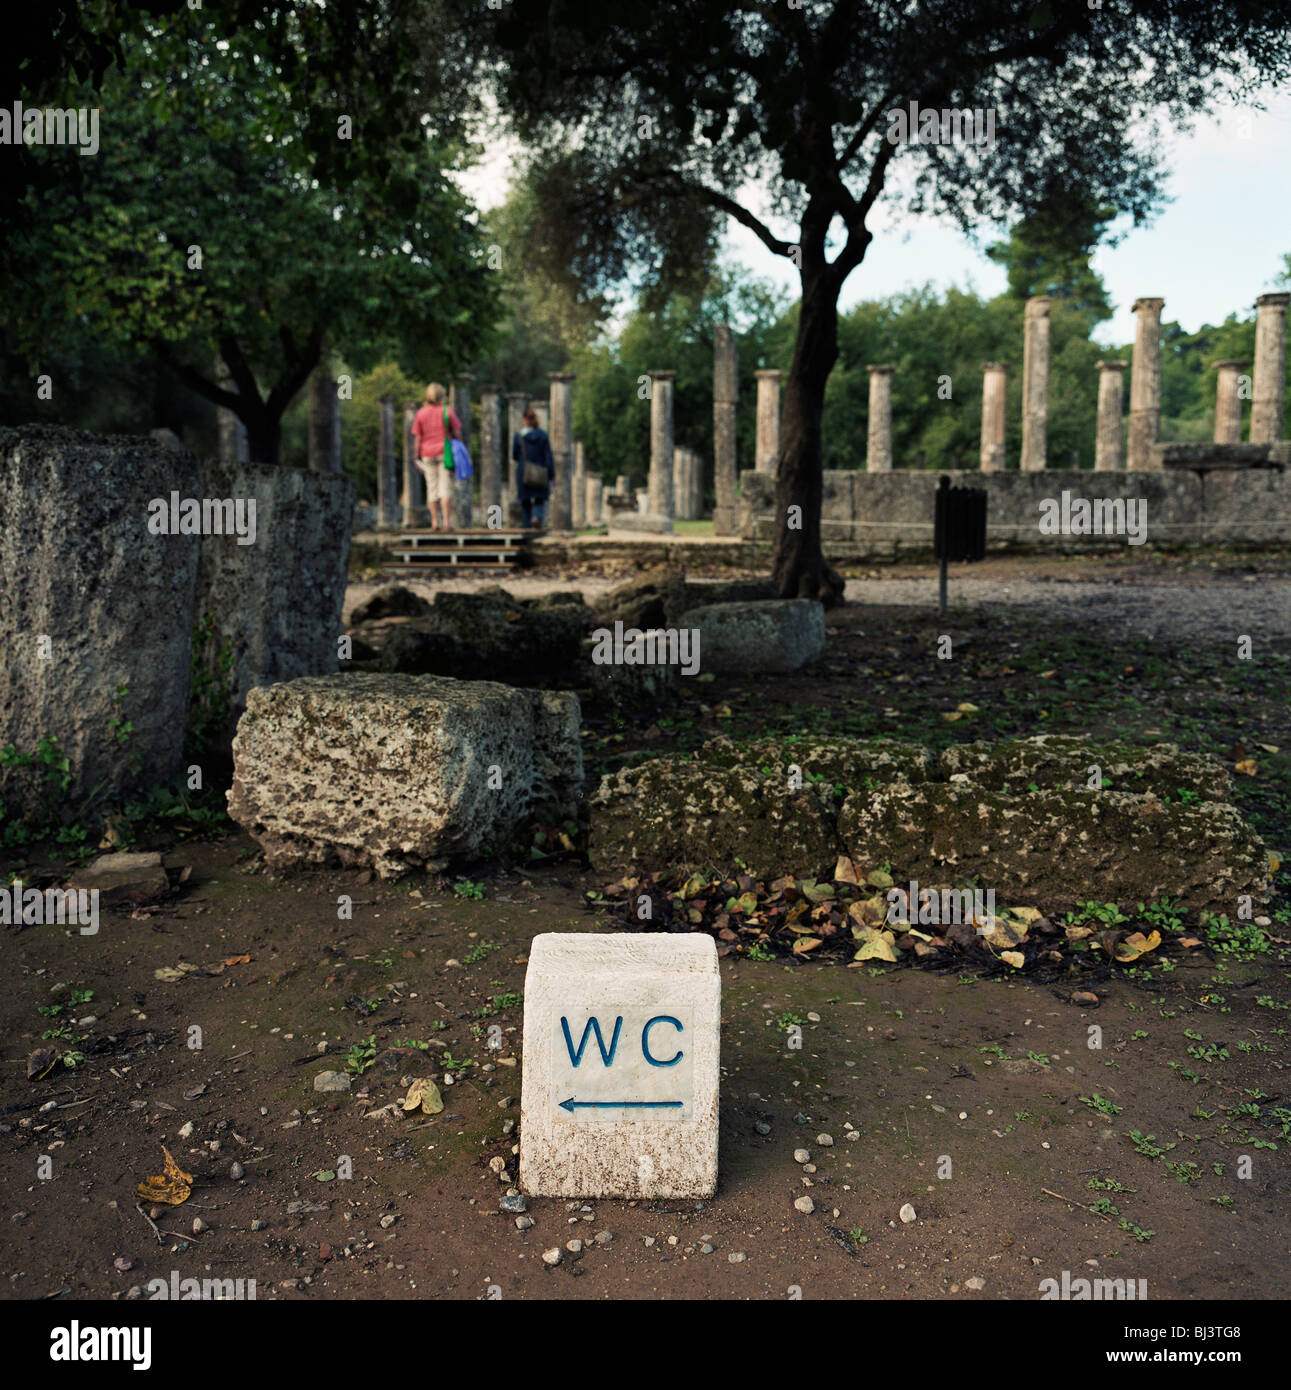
[{"x": 621, "y": 1046}]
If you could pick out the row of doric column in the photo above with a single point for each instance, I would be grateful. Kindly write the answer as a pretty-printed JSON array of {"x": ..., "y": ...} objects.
[{"x": 675, "y": 486}]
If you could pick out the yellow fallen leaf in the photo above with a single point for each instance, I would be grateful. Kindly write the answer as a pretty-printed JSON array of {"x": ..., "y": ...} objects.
[
  {"x": 870, "y": 912},
  {"x": 965, "y": 708},
  {"x": 1248, "y": 766},
  {"x": 1015, "y": 958},
  {"x": 238, "y": 960},
  {"x": 1136, "y": 945},
  {"x": 952, "y": 716},
  {"x": 875, "y": 944},
  {"x": 1048, "y": 675},
  {"x": 1274, "y": 862},
  {"x": 805, "y": 944},
  {"x": 424, "y": 1093},
  {"x": 845, "y": 871},
  {"x": 1268, "y": 747},
  {"x": 171, "y": 1186},
  {"x": 1026, "y": 914}
]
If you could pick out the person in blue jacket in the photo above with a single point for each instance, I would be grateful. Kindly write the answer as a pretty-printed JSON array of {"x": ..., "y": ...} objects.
[{"x": 531, "y": 445}]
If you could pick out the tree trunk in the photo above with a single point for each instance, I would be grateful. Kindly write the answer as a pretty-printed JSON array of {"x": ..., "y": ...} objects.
[
  {"x": 799, "y": 567},
  {"x": 263, "y": 426}
]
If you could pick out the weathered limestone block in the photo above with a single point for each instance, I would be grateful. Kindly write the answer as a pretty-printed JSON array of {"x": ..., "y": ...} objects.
[
  {"x": 778, "y": 635},
  {"x": 1060, "y": 847},
  {"x": 276, "y": 605},
  {"x": 79, "y": 566},
  {"x": 851, "y": 763},
  {"x": 1064, "y": 761},
  {"x": 622, "y": 1040},
  {"x": 670, "y": 811},
  {"x": 393, "y": 772},
  {"x": 654, "y": 598},
  {"x": 494, "y": 637},
  {"x": 390, "y": 601}
]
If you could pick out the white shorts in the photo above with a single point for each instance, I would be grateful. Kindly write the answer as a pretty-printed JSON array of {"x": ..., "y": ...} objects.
[{"x": 439, "y": 481}]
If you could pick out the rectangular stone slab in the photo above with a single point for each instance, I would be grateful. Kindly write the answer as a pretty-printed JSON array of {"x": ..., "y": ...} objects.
[{"x": 621, "y": 1053}]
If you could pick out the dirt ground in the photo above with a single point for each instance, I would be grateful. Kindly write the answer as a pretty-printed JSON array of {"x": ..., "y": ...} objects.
[{"x": 1023, "y": 1150}]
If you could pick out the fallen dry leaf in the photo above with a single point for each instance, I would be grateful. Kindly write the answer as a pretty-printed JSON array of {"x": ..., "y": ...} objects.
[
  {"x": 1015, "y": 958},
  {"x": 172, "y": 1186},
  {"x": 1136, "y": 945},
  {"x": 1247, "y": 766},
  {"x": 425, "y": 1094},
  {"x": 238, "y": 960},
  {"x": 804, "y": 944}
]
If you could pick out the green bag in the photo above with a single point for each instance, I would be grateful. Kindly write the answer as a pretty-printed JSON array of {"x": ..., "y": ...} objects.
[{"x": 448, "y": 441}]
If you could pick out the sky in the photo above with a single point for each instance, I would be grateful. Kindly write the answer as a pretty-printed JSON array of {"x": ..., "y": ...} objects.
[{"x": 1208, "y": 252}]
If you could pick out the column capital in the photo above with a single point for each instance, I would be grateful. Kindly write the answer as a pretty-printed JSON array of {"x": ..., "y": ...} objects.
[
  {"x": 1116, "y": 366},
  {"x": 461, "y": 376},
  {"x": 1151, "y": 305},
  {"x": 873, "y": 368},
  {"x": 662, "y": 376},
  {"x": 560, "y": 376},
  {"x": 386, "y": 398},
  {"x": 995, "y": 366},
  {"x": 517, "y": 395},
  {"x": 768, "y": 373},
  {"x": 489, "y": 386},
  {"x": 1038, "y": 306},
  {"x": 1279, "y": 299},
  {"x": 1228, "y": 362}
]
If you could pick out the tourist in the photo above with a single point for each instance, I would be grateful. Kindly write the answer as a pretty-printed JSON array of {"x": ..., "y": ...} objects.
[
  {"x": 535, "y": 469},
  {"x": 428, "y": 430}
]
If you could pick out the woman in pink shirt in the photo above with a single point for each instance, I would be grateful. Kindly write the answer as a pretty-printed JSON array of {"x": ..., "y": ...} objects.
[{"x": 428, "y": 432}]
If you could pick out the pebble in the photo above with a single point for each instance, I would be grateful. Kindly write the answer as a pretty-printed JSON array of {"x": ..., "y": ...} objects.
[
  {"x": 805, "y": 1205},
  {"x": 332, "y": 1081},
  {"x": 237, "y": 1172},
  {"x": 185, "y": 1130},
  {"x": 387, "y": 1221},
  {"x": 258, "y": 1225},
  {"x": 575, "y": 1247},
  {"x": 497, "y": 1165},
  {"x": 516, "y": 1203},
  {"x": 976, "y": 1283},
  {"x": 737, "y": 1258},
  {"x": 762, "y": 1127},
  {"x": 198, "y": 1225},
  {"x": 853, "y": 1134},
  {"x": 122, "y": 1264},
  {"x": 800, "y": 1118},
  {"x": 603, "y": 1237},
  {"x": 706, "y": 1249},
  {"x": 523, "y": 1223},
  {"x": 508, "y": 1127},
  {"x": 802, "y": 1155},
  {"x": 908, "y": 1214},
  {"x": 808, "y": 1167},
  {"x": 826, "y": 1141},
  {"x": 552, "y": 1256}
]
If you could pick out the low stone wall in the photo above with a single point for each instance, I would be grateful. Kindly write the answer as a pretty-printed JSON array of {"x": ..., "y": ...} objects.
[
  {"x": 883, "y": 514},
  {"x": 90, "y": 559}
]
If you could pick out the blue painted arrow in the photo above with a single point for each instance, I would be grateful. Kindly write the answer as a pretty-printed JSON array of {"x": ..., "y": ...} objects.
[{"x": 571, "y": 1104}]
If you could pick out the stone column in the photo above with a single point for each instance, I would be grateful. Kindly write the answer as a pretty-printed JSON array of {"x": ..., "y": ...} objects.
[
  {"x": 595, "y": 501},
  {"x": 993, "y": 394},
  {"x": 1145, "y": 385},
  {"x": 387, "y": 478},
  {"x": 623, "y": 486},
  {"x": 1035, "y": 382},
  {"x": 726, "y": 376},
  {"x": 517, "y": 404},
  {"x": 681, "y": 484},
  {"x": 1228, "y": 404},
  {"x": 696, "y": 486},
  {"x": 323, "y": 444},
  {"x": 412, "y": 498},
  {"x": 1107, "y": 445},
  {"x": 233, "y": 433},
  {"x": 542, "y": 411},
  {"x": 488, "y": 458},
  {"x": 878, "y": 446},
  {"x": 1269, "y": 386},
  {"x": 766, "y": 453},
  {"x": 578, "y": 488},
  {"x": 562, "y": 449},
  {"x": 661, "y": 445}
]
